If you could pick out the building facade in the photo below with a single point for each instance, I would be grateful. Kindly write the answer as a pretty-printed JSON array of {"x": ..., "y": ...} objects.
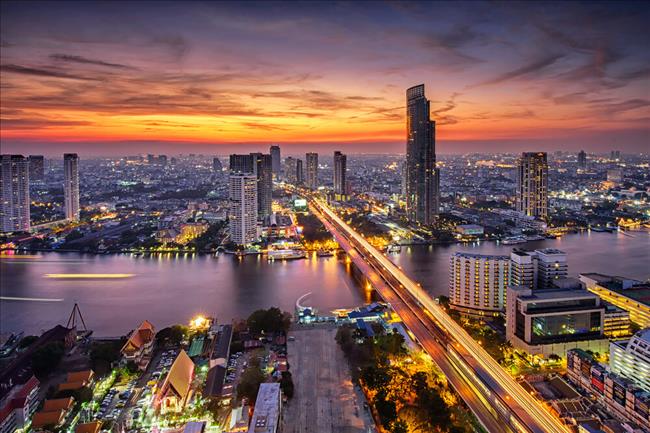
[
  {"x": 311, "y": 160},
  {"x": 275, "y": 160},
  {"x": 300, "y": 173},
  {"x": 421, "y": 182},
  {"x": 36, "y": 168},
  {"x": 71, "y": 186},
  {"x": 217, "y": 167},
  {"x": 626, "y": 293},
  {"x": 259, "y": 165},
  {"x": 539, "y": 269},
  {"x": 631, "y": 359},
  {"x": 551, "y": 321},
  {"x": 340, "y": 168},
  {"x": 14, "y": 178},
  {"x": 243, "y": 208},
  {"x": 582, "y": 159},
  {"x": 532, "y": 185},
  {"x": 478, "y": 283}
]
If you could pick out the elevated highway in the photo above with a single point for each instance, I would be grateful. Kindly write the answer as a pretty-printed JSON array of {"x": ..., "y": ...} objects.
[{"x": 499, "y": 402}]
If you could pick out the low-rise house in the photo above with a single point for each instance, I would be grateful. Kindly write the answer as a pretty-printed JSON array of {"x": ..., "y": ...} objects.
[
  {"x": 77, "y": 380},
  {"x": 139, "y": 346}
]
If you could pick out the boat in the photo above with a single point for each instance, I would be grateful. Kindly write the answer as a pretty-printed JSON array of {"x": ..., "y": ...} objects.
[
  {"x": 392, "y": 248},
  {"x": 535, "y": 238},
  {"x": 286, "y": 255},
  {"x": 324, "y": 253},
  {"x": 513, "y": 240}
]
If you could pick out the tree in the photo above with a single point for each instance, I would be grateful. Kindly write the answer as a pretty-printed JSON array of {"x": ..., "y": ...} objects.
[
  {"x": 286, "y": 384},
  {"x": 399, "y": 426},
  {"x": 173, "y": 335},
  {"x": 45, "y": 359},
  {"x": 375, "y": 378},
  {"x": 386, "y": 409},
  {"x": 249, "y": 383},
  {"x": 392, "y": 343},
  {"x": 271, "y": 320},
  {"x": 103, "y": 354},
  {"x": 27, "y": 341}
]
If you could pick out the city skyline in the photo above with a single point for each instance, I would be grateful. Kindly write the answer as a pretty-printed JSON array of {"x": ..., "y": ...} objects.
[{"x": 221, "y": 79}]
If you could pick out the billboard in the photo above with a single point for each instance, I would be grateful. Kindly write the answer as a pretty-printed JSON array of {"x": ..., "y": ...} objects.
[{"x": 300, "y": 202}]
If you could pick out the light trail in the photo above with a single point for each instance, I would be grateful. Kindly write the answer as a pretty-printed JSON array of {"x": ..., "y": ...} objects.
[
  {"x": 14, "y": 298},
  {"x": 515, "y": 393},
  {"x": 19, "y": 256},
  {"x": 88, "y": 276}
]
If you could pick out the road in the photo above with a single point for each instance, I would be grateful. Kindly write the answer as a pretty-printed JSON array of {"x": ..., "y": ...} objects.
[{"x": 492, "y": 394}]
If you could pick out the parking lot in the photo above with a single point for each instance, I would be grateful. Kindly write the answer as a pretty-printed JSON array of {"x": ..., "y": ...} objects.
[{"x": 324, "y": 400}]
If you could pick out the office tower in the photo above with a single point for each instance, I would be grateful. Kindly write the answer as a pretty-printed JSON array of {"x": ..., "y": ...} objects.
[
  {"x": 582, "y": 159},
  {"x": 340, "y": 166},
  {"x": 150, "y": 158},
  {"x": 14, "y": 178},
  {"x": 243, "y": 208},
  {"x": 478, "y": 283},
  {"x": 71, "y": 185},
  {"x": 275, "y": 160},
  {"x": 300, "y": 175},
  {"x": 421, "y": 193},
  {"x": 311, "y": 159},
  {"x": 36, "y": 168},
  {"x": 217, "y": 167},
  {"x": 616, "y": 154},
  {"x": 290, "y": 169},
  {"x": 162, "y": 160},
  {"x": 532, "y": 185},
  {"x": 631, "y": 358},
  {"x": 263, "y": 170},
  {"x": 259, "y": 165}
]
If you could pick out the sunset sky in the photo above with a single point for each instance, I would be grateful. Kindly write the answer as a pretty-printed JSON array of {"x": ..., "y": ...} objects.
[{"x": 127, "y": 77}]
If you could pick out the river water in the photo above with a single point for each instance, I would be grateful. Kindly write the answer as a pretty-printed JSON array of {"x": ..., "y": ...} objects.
[{"x": 169, "y": 289}]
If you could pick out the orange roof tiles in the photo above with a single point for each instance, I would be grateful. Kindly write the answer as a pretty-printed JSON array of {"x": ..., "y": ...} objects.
[
  {"x": 80, "y": 376},
  {"x": 179, "y": 378},
  {"x": 89, "y": 427},
  {"x": 139, "y": 337},
  {"x": 43, "y": 418},
  {"x": 58, "y": 403},
  {"x": 71, "y": 386}
]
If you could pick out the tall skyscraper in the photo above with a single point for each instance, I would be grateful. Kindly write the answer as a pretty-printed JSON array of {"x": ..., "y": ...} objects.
[
  {"x": 582, "y": 159},
  {"x": 290, "y": 169},
  {"x": 260, "y": 165},
  {"x": 421, "y": 183},
  {"x": 311, "y": 160},
  {"x": 243, "y": 208},
  {"x": 478, "y": 283},
  {"x": 532, "y": 185},
  {"x": 14, "y": 185},
  {"x": 300, "y": 174},
  {"x": 71, "y": 185},
  {"x": 36, "y": 168},
  {"x": 262, "y": 168},
  {"x": 275, "y": 160},
  {"x": 340, "y": 167},
  {"x": 217, "y": 167}
]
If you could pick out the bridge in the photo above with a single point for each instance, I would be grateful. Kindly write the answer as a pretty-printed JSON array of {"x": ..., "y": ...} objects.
[{"x": 498, "y": 401}]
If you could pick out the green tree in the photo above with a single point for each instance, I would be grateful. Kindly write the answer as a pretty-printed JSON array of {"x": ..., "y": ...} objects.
[
  {"x": 386, "y": 409},
  {"x": 27, "y": 341},
  {"x": 45, "y": 359},
  {"x": 172, "y": 335},
  {"x": 271, "y": 320},
  {"x": 399, "y": 426},
  {"x": 103, "y": 354},
  {"x": 375, "y": 378},
  {"x": 249, "y": 383},
  {"x": 286, "y": 384}
]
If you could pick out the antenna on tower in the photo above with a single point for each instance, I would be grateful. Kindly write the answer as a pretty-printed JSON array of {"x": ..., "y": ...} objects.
[{"x": 72, "y": 320}]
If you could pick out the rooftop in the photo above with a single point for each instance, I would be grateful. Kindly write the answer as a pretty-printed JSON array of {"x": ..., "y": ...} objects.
[{"x": 267, "y": 409}]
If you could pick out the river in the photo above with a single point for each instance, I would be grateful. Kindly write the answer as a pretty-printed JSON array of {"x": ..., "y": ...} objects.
[{"x": 169, "y": 289}]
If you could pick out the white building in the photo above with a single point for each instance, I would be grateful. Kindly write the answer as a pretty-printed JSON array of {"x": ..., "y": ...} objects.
[
  {"x": 631, "y": 358},
  {"x": 71, "y": 185},
  {"x": 243, "y": 208},
  {"x": 268, "y": 406},
  {"x": 14, "y": 187},
  {"x": 478, "y": 283},
  {"x": 537, "y": 269}
]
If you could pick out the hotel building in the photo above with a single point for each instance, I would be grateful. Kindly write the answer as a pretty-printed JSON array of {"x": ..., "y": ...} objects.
[{"x": 243, "y": 208}]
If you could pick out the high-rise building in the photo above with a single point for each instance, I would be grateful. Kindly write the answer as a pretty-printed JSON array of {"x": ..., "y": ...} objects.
[
  {"x": 311, "y": 159},
  {"x": 262, "y": 168},
  {"x": 290, "y": 169},
  {"x": 217, "y": 167},
  {"x": 260, "y": 165},
  {"x": 14, "y": 178},
  {"x": 631, "y": 358},
  {"x": 582, "y": 159},
  {"x": 421, "y": 183},
  {"x": 340, "y": 167},
  {"x": 243, "y": 208},
  {"x": 478, "y": 283},
  {"x": 275, "y": 160},
  {"x": 71, "y": 186},
  {"x": 538, "y": 269},
  {"x": 300, "y": 174},
  {"x": 36, "y": 168},
  {"x": 532, "y": 185}
]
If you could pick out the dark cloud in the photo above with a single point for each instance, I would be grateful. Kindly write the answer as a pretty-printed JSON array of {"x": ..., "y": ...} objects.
[
  {"x": 525, "y": 70},
  {"x": 86, "y": 61},
  {"x": 42, "y": 72}
]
